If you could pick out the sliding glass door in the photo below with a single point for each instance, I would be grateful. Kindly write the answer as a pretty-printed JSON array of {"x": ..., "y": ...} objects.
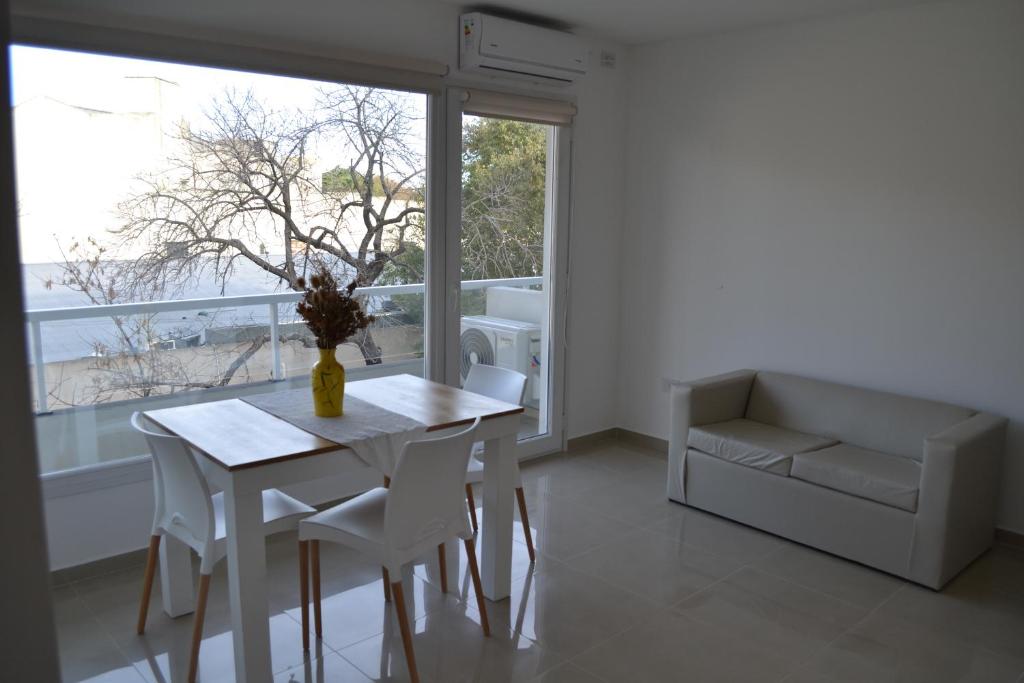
[{"x": 511, "y": 305}]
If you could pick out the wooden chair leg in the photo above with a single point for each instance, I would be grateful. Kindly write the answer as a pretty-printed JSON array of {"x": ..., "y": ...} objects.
[
  {"x": 472, "y": 508},
  {"x": 442, "y": 560},
  {"x": 525, "y": 518},
  {"x": 384, "y": 570},
  {"x": 304, "y": 591},
  {"x": 477, "y": 586},
  {"x": 147, "y": 582},
  {"x": 387, "y": 584},
  {"x": 197, "y": 627},
  {"x": 403, "y": 624},
  {"x": 314, "y": 551}
]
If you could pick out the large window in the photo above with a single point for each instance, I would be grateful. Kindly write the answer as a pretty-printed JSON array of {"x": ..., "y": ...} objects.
[{"x": 167, "y": 216}]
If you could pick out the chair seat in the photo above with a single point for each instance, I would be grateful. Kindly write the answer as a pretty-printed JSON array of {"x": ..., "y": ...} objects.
[
  {"x": 888, "y": 479},
  {"x": 421, "y": 510},
  {"x": 755, "y": 444},
  {"x": 357, "y": 523},
  {"x": 281, "y": 512}
]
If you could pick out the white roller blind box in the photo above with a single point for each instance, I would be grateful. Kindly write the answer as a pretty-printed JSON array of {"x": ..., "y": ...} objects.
[
  {"x": 519, "y": 107},
  {"x": 234, "y": 51}
]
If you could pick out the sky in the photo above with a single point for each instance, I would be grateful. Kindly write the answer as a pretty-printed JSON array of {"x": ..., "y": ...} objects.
[
  {"x": 80, "y": 76},
  {"x": 100, "y": 155}
]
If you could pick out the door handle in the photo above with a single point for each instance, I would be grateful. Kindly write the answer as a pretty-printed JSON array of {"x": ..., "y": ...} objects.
[{"x": 453, "y": 298}]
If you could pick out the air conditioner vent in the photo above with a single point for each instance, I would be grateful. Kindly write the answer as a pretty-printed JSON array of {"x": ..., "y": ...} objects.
[{"x": 498, "y": 46}]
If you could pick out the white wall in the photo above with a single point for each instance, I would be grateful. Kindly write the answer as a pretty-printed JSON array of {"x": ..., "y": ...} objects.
[
  {"x": 424, "y": 30},
  {"x": 840, "y": 198}
]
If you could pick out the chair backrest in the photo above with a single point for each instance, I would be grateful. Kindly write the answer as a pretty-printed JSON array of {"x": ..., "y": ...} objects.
[
  {"x": 426, "y": 498},
  {"x": 183, "y": 505},
  {"x": 500, "y": 384}
]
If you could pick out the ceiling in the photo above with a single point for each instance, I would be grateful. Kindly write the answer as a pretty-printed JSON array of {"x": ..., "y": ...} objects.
[{"x": 642, "y": 21}]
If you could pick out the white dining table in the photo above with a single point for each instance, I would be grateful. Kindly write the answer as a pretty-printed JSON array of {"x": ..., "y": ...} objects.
[{"x": 249, "y": 450}]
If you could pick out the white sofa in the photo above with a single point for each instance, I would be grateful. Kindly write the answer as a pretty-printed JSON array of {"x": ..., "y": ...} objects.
[{"x": 901, "y": 484}]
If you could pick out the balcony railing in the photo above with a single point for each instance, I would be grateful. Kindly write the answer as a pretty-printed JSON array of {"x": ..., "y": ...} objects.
[{"x": 36, "y": 317}]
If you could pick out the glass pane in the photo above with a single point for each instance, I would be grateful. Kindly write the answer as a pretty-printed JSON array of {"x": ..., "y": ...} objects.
[
  {"x": 143, "y": 183},
  {"x": 504, "y": 233}
]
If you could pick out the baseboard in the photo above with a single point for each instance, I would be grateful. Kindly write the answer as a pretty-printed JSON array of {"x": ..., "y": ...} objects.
[
  {"x": 618, "y": 434},
  {"x": 578, "y": 443},
  {"x": 91, "y": 570},
  {"x": 643, "y": 440},
  {"x": 1011, "y": 538}
]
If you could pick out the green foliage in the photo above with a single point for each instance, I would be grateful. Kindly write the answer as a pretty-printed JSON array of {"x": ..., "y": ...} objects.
[
  {"x": 503, "y": 182},
  {"x": 405, "y": 269},
  {"x": 340, "y": 181},
  {"x": 344, "y": 181}
]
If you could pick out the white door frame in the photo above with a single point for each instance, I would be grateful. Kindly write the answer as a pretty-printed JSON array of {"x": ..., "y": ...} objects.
[{"x": 558, "y": 203}]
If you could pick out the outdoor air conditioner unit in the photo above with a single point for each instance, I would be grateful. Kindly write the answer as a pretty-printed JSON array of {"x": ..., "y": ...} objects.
[
  {"x": 510, "y": 344},
  {"x": 502, "y": 47}
]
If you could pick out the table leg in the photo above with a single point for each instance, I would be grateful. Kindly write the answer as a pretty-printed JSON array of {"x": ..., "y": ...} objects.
[
  {"x": 452, "y": 549},
  {"x": 176, "y": 577},
  {"x": 247, "y": 589},
  {"x": 496, "y": 530}
]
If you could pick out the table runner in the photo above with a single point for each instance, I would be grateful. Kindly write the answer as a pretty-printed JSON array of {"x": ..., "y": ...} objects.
[{"x": 376, "y": 435}]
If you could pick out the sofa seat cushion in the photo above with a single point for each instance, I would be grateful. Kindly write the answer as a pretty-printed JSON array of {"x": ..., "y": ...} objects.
[
  {"x": 888, "y": 479},
  {"x": 754, "y": 444}
]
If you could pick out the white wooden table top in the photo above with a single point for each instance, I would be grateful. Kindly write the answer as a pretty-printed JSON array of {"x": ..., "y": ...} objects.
[{"x": 237, "y": 435}]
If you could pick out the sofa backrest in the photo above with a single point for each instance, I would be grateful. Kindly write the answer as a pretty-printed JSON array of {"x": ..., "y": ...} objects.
[{"x": 876, "y": 420}]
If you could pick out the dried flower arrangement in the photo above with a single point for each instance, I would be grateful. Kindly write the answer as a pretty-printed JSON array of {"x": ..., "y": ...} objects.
[{"x": 332, "y": 314}]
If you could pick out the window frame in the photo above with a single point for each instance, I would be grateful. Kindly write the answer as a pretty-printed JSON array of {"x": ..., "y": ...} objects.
[{"x": 445, "y": 98}]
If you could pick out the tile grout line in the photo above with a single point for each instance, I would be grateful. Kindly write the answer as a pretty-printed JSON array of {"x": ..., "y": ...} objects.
[
  {"x": 800, "y": 665},
  {"x": 574, "y": 658},
  {"x": 902, "y": 582},
  {"x": 107, "y": 632},
  {"x": 389, "y": 614},
  {"x": 669, "y": 608},
  {"x": 746, "y": 565}
]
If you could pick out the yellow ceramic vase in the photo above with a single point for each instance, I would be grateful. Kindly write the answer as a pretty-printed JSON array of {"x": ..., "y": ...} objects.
[{"x": 328, "y": 378}]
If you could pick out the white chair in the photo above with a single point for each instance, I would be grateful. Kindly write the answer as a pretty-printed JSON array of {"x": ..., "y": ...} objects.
[
  {"x": 186, "y": 510},
  {"x": 421, "y": 509},
  {"x": 502, "y": 385}
]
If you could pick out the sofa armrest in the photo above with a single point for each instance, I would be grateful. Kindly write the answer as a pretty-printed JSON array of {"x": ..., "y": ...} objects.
[
  {"x": 704, "y": 401},
  {"x": 957, "y": 501},
  {"x": 719, "y": 398}
]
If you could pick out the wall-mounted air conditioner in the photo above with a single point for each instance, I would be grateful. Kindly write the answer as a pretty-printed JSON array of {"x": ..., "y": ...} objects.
[{"x": 502, "y": 47}]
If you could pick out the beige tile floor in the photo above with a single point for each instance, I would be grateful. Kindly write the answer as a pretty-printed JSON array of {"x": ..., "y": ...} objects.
[{"x": 627, "y": 588}]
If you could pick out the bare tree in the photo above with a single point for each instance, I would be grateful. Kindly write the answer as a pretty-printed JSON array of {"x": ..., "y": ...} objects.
[
  {"x": 503, "y": 189},
  {"x": 249, "y": 184},
  {"x": 246, "y": 181},
  {"x": 133, "y": 362}
]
